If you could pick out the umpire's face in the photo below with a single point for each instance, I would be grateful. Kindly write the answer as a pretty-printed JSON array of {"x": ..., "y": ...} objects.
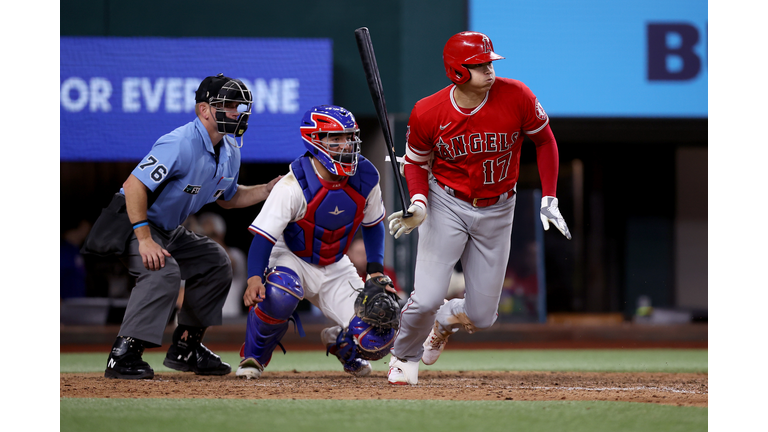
[{"x": 230, "y": 109}]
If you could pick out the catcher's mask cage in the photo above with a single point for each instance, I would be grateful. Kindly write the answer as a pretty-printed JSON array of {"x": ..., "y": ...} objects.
[
  {"x": 323, "y": 122},
  {"x": 466, "y": 48}
]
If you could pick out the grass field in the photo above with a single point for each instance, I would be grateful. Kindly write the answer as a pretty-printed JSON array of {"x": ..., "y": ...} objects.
[{"x": 85, "y": 414}]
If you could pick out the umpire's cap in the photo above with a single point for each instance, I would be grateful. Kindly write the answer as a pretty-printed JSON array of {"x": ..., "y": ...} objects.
[{"x": 210, "y": 87}]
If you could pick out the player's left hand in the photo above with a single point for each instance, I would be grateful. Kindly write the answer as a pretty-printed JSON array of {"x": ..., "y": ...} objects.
[
  {"x": 399, "y": 225},
  {"x": 390, "y": 287},
  {"x": 551, "y": 213}
]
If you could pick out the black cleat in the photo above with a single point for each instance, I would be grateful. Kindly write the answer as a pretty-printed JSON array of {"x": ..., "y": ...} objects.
[
  {"x": 188, "y": 354},
  {"x": 125, "y": 360},
  {"x": 199, "y": 360}
]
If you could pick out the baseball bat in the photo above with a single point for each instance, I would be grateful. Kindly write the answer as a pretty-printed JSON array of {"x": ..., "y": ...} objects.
[{"x": 365, "y": 46}]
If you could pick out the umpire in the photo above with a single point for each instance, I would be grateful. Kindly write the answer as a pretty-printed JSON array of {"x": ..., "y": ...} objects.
[{"x": 191, "y": 166}]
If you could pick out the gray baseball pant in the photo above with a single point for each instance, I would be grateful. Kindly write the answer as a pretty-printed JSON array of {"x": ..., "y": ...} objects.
[
  {"x": 204, "y": 266},
  {"x": 454, "y": 230}
]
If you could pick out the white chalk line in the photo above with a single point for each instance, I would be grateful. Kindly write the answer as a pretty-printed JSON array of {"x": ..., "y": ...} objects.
[{"x": 665, "y": 389}]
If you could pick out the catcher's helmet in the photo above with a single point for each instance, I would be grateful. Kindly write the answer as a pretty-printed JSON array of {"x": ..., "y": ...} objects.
[
  {"x": 323, "y": 120},
  {"x": 220, "y": 92},
  {"x": 466, "y": 48}
]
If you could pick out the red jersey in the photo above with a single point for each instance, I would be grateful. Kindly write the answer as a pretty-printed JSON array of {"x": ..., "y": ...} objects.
[{"x": 476, "y": 154}]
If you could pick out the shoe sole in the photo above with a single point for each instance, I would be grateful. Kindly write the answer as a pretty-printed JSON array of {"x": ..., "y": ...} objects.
[
  {"x": 398, "y": 382},
  {"x": 248, "y": 373},
  {"x": 361, "y": 373},
  {"x": 184, "y": 367},
  {"x": 430, "y": 362},
  {"x": 109, "y": 373}
]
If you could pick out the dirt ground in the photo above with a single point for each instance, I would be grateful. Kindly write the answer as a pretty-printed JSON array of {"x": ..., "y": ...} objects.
[{"x": 680, "y": 389}]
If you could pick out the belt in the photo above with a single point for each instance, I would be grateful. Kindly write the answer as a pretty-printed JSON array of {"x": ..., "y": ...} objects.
[{"x": 476, "y": 202}]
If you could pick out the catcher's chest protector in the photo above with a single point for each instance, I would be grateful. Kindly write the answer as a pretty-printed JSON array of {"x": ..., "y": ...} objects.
[{"x": 334, "y": 212}]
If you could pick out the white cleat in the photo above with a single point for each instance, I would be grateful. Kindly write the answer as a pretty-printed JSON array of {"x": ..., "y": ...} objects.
[
  {"x": 249, "y": 369},
  {"x": 434, "y": 345},
  {"x": 403, "y": 372}
]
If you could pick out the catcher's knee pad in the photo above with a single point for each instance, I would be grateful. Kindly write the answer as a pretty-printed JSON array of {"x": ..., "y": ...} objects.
[
  {"x": 283, "y": 292},
  {"x": 364, "y": 341},
  {"x": 268, "y": 320}
]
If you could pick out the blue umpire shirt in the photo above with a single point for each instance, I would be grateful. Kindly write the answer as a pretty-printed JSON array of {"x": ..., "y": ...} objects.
[{"x": 182, "y": 173}]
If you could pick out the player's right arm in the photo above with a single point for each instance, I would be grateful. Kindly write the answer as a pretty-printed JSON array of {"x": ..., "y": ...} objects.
[
  {"x": 418, "y": 152},
  {"x": 152, "y": 255},
  {"x": 282, "y": 206},
  {"x": 416, "y": 171}
]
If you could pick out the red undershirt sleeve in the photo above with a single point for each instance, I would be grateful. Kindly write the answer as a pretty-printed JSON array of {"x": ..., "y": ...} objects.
[
  {"x": 547, "y": 160},
  {"x": 417, "y": 179}
]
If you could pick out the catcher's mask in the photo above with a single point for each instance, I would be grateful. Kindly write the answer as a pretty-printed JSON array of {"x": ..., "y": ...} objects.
[{"x": 323, "y": 122}]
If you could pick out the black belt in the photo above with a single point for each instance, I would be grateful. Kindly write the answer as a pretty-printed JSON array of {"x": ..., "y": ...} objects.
[{"x": 476, "y": 202}]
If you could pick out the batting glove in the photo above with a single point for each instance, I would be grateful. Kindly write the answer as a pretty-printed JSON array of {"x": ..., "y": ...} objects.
[
  {"x": 399, "y": 225},
  {"x": 550, "y": 212}
]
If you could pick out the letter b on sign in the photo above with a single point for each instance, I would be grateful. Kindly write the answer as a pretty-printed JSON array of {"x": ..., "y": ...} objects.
[{"x": 669, "y": 44}]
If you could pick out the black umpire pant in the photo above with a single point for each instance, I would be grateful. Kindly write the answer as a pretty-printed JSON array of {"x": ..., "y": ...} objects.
[{"x": 204, "y": 266}]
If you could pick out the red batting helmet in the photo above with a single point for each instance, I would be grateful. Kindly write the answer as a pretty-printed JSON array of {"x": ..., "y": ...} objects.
[{"x": 466, "y": 48}]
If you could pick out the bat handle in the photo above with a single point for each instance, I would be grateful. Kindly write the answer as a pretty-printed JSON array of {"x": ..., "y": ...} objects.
[{"x": 406, "y": 214}]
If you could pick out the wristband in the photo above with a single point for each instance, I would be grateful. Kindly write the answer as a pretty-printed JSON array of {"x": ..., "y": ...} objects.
[
  {"x": 374, "y": 267},
  {"x": 140, "y": 224}
]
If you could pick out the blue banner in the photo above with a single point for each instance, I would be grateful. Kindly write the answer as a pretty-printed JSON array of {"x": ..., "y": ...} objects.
[
  {"x": 603, "y": 58},
  {"x": 119, "y": 95}
]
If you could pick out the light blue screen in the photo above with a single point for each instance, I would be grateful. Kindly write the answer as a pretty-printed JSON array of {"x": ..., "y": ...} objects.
[
  {"x": 601, "y": 58},
  {"x": 119, "y": 95}
]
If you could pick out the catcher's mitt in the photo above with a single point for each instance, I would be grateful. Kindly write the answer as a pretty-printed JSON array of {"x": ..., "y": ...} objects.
[{"x": 377, "y": 306}]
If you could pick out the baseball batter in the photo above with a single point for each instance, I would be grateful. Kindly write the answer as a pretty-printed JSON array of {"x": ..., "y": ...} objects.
[{"x": 468, "y": 137}]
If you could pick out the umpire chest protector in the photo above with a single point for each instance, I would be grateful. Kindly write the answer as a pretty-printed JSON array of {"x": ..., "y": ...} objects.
[{"x": 334, "y": 212}]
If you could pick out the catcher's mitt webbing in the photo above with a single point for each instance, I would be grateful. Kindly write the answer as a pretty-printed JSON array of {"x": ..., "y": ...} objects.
[{"x": 377, "y": 306}]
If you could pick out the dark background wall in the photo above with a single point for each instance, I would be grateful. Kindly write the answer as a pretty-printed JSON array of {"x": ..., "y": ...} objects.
[{"x": 621, "y": 180}]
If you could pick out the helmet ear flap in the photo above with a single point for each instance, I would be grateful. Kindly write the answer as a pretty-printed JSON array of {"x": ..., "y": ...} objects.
[{"x": 458, "y": 76}]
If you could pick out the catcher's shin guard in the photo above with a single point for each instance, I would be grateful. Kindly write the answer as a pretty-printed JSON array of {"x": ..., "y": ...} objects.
[
  {"x": 263, "y": 333},
  {"x": 268, "y": 320}
]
